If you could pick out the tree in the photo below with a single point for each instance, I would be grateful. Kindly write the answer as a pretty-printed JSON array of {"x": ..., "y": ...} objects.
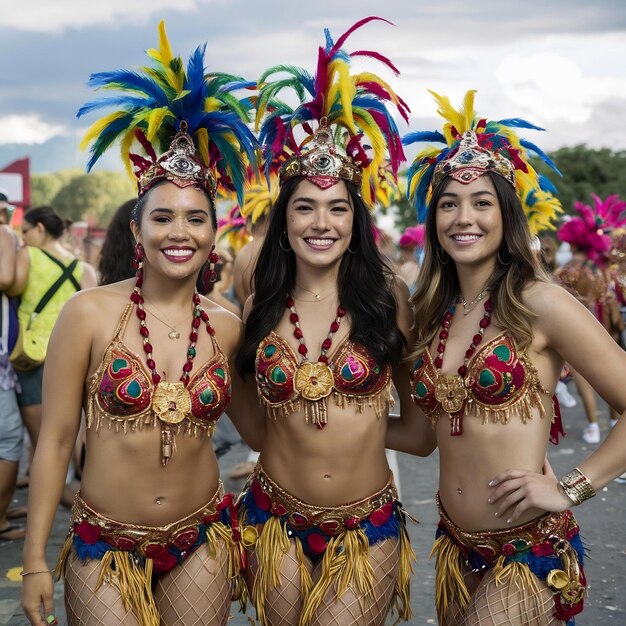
[{"x": 94, "y": 197}]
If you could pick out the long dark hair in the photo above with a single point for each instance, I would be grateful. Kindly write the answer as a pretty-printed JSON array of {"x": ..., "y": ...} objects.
[
  {"x": 516, "y": 267},
  {"x": 365, "y": 286},
  {"x": 116, "y": 256},
  {"x": 54, "y": 224}
]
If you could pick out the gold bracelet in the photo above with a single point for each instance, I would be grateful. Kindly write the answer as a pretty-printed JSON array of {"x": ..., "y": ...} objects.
[
  {"x": 41, "y": 571},
  {"x": 577, "y": 486}
]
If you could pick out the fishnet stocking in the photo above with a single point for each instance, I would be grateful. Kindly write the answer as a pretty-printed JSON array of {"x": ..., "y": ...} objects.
[
  {"x": 507, "y": 604},
  {"x": 198, "y": 591},
  {"x": 354, "y": 610},
  {"x": 283, "y": 604},
  {"x": 83, "y": 605}
]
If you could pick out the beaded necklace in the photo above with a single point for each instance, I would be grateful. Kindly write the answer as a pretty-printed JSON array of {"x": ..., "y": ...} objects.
[
  {"x": 451, "y": 389},
  {"x": 314, "y": 381},
  {"x": 171, "y": 402}
]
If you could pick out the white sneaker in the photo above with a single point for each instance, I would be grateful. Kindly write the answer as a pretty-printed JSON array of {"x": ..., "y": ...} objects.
[
  {"x": 591, "y": 433},
  {"x": 565, "y": 398}
]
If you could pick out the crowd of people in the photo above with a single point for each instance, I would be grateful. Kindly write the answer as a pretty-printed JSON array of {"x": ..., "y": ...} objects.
[{"x": 290, "y": 316}]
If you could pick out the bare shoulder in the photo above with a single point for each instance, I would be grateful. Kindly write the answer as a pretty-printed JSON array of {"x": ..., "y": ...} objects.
[
  {"x": 100, "y": 303},
  {"x": 546, "y": 298},
  {"x": 228, "y": 327}
]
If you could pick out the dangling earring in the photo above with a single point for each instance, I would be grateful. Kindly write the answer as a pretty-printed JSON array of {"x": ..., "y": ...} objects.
[
  {"x": 443, "y": 255},
  {"x": 140, "y": 254},
  {"x": 510, "y": 255},
  {"x": 351, "y": 251},
  {"x": 280, "y": 242},
  {"x": 213, "y": 259}
]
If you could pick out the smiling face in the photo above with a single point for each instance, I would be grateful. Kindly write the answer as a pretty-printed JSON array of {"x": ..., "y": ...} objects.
[
  {"x": 319, "y": 223},
  {"x": 175, "y": 230},
  {"x": 469, "y": 221}
]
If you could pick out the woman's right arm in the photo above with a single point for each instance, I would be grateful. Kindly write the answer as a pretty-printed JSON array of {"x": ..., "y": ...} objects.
[
  {"x": 67, "y": 364},
  {"x": 22, "y": 266},
  {"x": 8, "y": 254}
]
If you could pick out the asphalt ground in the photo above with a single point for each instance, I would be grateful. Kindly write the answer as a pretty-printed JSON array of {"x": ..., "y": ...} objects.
[{"x": 602, "y": 521}]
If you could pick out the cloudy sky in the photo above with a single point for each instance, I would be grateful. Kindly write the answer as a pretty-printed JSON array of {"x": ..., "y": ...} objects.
[{"x": 559, "y": 64}]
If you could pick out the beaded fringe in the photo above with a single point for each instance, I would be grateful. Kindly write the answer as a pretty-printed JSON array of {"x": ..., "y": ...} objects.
[
  {"x": 522, "y": 407},
  {"x": 134, "y": 580},
  {"x": 315, "y": 412},
  {"x": 450, "y": 584},
  {"x": 345, "y": 563}
]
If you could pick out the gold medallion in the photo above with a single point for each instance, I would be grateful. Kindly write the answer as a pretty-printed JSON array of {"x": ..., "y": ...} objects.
[
  {"x": 171, "y": 402},
  {"x": 451, "y": 392},
  {"x": 313, "y": 381}
]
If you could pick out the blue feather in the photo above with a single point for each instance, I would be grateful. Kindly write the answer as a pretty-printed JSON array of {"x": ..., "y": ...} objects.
[
  {"x": 540, "y": 153},
  {"x": 518, "y": 122},
  {"x": 425, "y": 136}
]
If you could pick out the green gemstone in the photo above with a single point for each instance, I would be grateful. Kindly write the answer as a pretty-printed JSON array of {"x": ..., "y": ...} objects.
[
  {"x": 220, "y": 372},
  {"x": 119, "y": 364},
  {"x": 278, "y": 376},
  {"x": 207, "y": 396},
  {"x": 503, "y": 353},
  {"x": 486, "y": 378},
  {"x": 421, "y": 389},
  {"x": 191, "y": 351},
  {"x": 134, "y": 389},
  {"x": 269, "y": 351}
]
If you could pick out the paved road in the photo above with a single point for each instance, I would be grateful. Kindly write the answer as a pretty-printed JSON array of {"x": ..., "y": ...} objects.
[{"x": 602, "y": 520}]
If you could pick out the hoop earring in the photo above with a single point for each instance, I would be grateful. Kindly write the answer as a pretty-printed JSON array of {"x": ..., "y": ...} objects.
[
  {"x": 510, "y": 257},
  {"x": 213, "y": 259},
  {"x": 280, "y": 242},
  {"x": 444, "y": 257},
  {"x": 352, "y": 251}
]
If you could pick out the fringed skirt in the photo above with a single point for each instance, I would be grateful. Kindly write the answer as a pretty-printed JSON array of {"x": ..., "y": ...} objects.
[
  {"x": 548, "y": 549},
  {"x": 338, "y": 537},
  {"x": 133, "y": 556}
]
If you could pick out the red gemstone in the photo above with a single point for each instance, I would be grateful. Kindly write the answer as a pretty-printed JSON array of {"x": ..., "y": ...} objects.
[
  {"x": 297, "y": 333},
  {"x": 196, "y": 322},
  {"x": 316, "y": 543},
  {"x": 293, "y": 318},
  {"x": 340, "y": 311},
  {"x": 187, "y": 366},
  {"x": 139, "y": 280},
  {"x": 210, "y": 330},
  {"x": 443, "y": 334},
  {"x": 330, "y": 527},
  {"x": 143, "y": 331},
  {"x": 462, "y": 370},
  {"x": 193, "y": 336},
  {"x": 196, "y": 298},
  {"x": 440, "y": 348},
  {"x": 299, "y": 520},
  {"x": 351, "y": 522},
  {"x": 134, "y": 297},
  {"x": 489, "y": 306},
  {"x": 141, "y": 314},
  {"x": 147, "y": 347},
  {"x": 186, "y": 538},
  {"x": 261, "y": 499},
  {"x": 289, "y": 302},
  {"x": 302, "y": 349},
  {"x": 323, "y": 358},
  {"x": 438, "y": 362},
  {"x": 89, "y": 533},
  {"x": 381, "y": 516},
  {"x": 203, "y": 316},
  {"x": 156, "y": 378},
  {"x": 124, "y": 543},
  {"x": 468, "y": 353},
  {"x": 327, "y": 343},
  {"x": 477, "y": 338},
  {"x": 151, "y": 364},
  {"x": 484, "y": 322},
  {"x": 153, "y": 549},
  {"x": 334, "y": 327},
  {"x": 278, "y": 509}
]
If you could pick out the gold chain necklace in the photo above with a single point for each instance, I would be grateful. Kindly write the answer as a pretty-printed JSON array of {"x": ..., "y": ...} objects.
[
  {"x": 317, "y": 296},
  {"x": 173, "y": 334},
  {"x": 468, "y": 307}
]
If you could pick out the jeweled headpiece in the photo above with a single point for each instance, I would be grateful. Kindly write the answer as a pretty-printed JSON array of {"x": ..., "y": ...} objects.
[
  {"x": 190, "y": 118},
  {"x": 590, "y": 230},
  {"x": 474, "y": 146},
  {"x": 348, "y": 127}
]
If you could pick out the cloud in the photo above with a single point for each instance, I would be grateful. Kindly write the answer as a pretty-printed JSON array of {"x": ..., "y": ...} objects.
[{"x": 27, "y": 129}]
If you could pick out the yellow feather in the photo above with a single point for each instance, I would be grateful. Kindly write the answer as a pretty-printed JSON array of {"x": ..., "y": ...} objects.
[
  {"x": 125, "y": 144},
  {"x": 155, "y": 120},
  {"x": 212, "y": 104},
  {"x": 344, "y": 90},
  {"x": 98, "y": 126},
  {"x": 203, "y": 145}
]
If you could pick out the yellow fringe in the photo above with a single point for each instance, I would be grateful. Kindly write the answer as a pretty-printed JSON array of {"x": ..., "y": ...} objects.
[
  {"x": 523, "y": 577},
  {"x": 402, "y": 600},
  {"x": 271, "y": 547},
  {"x": 306, "y": 582},
  {"x": 449, "y": 582},
  {"x": 345, "y": 562},
  {"x": 66, "y": 548}
]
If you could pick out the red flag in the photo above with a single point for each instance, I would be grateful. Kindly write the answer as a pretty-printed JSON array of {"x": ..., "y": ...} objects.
[{"x": 18, "y": 194}]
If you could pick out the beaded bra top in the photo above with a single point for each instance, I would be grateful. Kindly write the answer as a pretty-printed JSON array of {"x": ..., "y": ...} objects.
[
  {"x": 357, "y": 379},
  {"x": 121, "y": 391},
  {"x": 500, "y": 382}
]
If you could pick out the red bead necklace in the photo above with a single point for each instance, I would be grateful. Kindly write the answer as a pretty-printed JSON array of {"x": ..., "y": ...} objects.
[
  {"x": 314, "y": 381},
  {"x": 450, "y": 389},
  {"x": 171, "y": 402}
]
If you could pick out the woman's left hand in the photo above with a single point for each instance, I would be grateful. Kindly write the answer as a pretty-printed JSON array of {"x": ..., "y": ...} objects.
[{"x": 515, "y": 491}]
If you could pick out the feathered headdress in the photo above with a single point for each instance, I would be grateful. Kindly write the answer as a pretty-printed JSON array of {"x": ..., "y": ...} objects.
[
  {"x": 192, "y": 119},
  {"x": 232, "y": 230},
  {"x": 590, "y": 230},
  {"x": 349, "y": 130},
  {"x": 260, "y": 197},
  {"x": 473, "y": 146}
]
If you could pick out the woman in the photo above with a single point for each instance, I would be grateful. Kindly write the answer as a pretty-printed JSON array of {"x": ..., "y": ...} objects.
[
  {"x": 40, "y": 264},
  {"x": 150, "y": 539},
  {"x": 325, "y": 332},
  {"x": 492, "y": 334}
]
